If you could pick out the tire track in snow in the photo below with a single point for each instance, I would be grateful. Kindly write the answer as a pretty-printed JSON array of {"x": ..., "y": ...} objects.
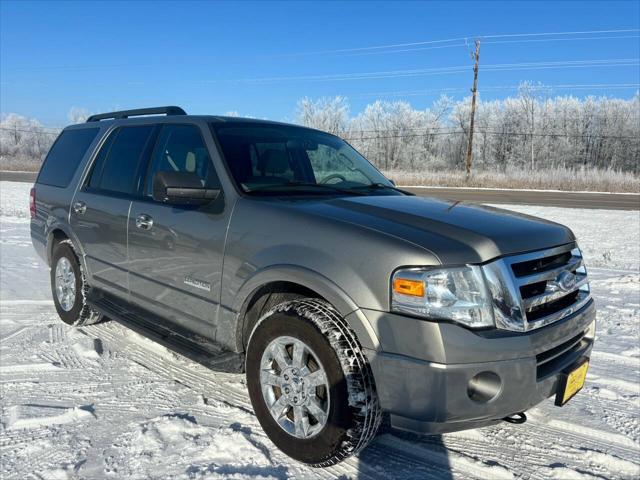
[
  {"x": 229, "y": 390},
  {"x": 588, "y": 435},
  {"x": 447, "y": 459},
  {"x": 216, "y": 386},
  {"x": 541, "y": 451}
]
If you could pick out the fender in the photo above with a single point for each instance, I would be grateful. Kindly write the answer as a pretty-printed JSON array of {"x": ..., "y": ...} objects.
[
  {"x": 52, "y": 225},
  {"x": 314, "y": 281}
]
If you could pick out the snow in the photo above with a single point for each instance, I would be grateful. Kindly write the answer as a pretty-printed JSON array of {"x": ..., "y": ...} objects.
[{"x": 102, "y": 402}]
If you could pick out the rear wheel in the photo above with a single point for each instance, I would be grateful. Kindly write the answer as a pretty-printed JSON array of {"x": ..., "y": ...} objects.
[
  {"x": 69, "y": 287},
  {"x": 310, "y": 383}
]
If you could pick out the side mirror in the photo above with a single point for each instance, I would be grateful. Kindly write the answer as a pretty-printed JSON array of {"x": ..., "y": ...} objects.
[
  {"x": 392, "y": 182},
  {"x": 181, "y": 188}
]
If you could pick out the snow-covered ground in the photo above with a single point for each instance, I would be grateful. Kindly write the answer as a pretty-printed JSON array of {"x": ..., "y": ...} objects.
[{"x": 103, "y": 402}]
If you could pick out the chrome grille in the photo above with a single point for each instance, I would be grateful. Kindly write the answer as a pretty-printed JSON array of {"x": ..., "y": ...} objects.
[{"x": 538, "y": 288}]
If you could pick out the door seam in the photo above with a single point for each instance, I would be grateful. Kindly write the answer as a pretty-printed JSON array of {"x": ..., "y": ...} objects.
[{"x": 127, "y": 248}]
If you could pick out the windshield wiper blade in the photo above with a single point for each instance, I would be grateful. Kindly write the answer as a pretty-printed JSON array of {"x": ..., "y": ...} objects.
[
  {"x": 286, "y": 186},
  {"x": 381, "y": 186}
]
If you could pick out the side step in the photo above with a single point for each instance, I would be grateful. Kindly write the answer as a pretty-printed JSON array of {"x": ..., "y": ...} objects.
[{"x": 198, "y": 349}]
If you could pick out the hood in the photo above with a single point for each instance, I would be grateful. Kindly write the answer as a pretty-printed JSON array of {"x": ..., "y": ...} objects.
[{"x": 455, "y": 232}]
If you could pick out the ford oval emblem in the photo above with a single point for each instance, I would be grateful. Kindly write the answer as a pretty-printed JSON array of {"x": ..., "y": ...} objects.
[{"x": 566, "y": 281}]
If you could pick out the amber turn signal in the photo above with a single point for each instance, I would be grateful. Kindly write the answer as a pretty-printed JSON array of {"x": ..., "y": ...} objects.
[{"x": 414, "y": 288}]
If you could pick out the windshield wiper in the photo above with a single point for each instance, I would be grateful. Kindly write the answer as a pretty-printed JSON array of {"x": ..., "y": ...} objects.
[
  {"x": 303, "y": 185},
  {"x": 381, "y": 186}
]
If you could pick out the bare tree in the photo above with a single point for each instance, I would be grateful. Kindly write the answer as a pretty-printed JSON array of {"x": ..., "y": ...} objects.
[
  {"x": 519, "y": 133},
  {"x": 78, "y": 115},
  {"x": 328, "y": 114}
]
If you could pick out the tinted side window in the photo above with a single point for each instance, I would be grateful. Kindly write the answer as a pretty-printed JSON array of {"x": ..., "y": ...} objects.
[
  {"x": 180, "y": 148},
  {"x": 65, "y": 155},
  {"x": 120, "y": 167},
  {"x": 98, "y": 164}
]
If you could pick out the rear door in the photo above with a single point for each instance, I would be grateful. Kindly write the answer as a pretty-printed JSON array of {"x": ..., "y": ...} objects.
[
  {"x": 100, "y": 209},
  {"x": 176, "y": 251}
]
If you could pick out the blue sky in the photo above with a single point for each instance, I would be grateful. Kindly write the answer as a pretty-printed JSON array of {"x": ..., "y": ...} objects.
[{"x": 260, "y": 58}]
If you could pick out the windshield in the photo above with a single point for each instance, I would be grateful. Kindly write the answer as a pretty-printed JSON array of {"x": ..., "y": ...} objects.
[{"x": 278, "y": 159}]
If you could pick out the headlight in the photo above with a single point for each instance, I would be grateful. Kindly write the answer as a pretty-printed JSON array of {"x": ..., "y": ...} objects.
[{"x": 459, "y": 294}]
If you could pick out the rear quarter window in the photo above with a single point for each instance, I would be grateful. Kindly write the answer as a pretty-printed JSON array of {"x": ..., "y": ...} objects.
[{"x": 65, "y": 155}]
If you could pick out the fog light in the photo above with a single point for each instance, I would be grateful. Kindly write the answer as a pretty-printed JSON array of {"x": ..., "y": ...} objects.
[{"x": 484, "y": 387}]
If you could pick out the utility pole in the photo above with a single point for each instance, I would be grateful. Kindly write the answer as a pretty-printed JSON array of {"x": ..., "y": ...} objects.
[{"x": 476, "y": 57}]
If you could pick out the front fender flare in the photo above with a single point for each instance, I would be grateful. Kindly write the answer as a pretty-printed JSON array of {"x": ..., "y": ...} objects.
[{"x": 317, "y": 282}]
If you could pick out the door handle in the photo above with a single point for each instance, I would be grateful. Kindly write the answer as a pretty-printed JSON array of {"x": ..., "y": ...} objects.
[
  {"x": 144, "y": 221},
  {"x": 79, "y": 207}
]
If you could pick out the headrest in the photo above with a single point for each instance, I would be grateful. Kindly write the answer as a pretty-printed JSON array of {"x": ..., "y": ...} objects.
[
  {"x": 190, "y": 162},
  {"x": 273, "y": 161}
]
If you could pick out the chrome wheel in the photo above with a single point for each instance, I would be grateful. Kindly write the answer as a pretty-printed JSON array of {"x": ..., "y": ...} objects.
[
  {"x": 294, "y": 387},
  {"x": 65, "y": 284}
]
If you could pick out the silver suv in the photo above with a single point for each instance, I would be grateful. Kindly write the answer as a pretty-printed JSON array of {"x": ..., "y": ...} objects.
[{"x": 280, "y": 251}]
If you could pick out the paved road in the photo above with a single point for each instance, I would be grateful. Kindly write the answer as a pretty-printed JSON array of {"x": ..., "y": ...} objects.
[
  {"x": 612, "y": 201},
  {"x": 18, "y": 176}
]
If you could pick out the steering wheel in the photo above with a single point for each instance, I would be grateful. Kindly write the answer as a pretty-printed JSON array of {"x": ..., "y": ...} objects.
[{"x": 331, "y": 177}]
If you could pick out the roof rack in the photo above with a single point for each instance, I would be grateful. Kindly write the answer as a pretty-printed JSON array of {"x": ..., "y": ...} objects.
[{"x": 137, "y": 112}]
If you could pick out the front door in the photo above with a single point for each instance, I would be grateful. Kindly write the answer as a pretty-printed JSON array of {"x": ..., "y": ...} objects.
[{"x": 175, "y": 252}]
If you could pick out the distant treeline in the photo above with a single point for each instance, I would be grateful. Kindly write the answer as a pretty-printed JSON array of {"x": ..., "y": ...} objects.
[{"x": 528, "y": 132}]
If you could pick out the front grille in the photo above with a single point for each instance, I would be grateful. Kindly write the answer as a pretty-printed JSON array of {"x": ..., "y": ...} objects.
[
  {"x": 541, "y": 264},
  {"x": 554, "y": 306},
  {"x": 535, "y": 289},
  {"x": 560, "y": 356}
]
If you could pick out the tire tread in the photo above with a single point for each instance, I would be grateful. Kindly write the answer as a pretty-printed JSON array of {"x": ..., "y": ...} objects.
[
  {"x": 363, "y": 398},
  {"x": 86, "y": 315}
]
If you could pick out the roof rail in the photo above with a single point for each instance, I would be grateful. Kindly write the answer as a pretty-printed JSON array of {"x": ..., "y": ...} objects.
[{"x": 137, "y": 112}]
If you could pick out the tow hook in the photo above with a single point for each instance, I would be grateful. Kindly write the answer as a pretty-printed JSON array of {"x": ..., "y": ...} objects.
[{"x": 517, "y": 418}]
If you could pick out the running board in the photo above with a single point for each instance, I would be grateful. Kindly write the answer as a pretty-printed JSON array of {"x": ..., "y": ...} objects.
[{"x": 198, "y": 349}]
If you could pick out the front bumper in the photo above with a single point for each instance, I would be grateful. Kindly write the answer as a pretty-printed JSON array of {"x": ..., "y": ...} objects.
[{"x": 423, "y": 369}]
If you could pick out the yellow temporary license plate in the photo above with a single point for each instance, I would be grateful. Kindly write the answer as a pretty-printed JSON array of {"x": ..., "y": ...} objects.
[{"x": 571, "y": 383}]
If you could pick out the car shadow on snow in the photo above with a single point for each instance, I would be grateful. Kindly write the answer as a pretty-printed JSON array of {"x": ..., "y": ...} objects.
[
  {"x": 279, "y": 472},
  {"x": 405, "y": 455}
]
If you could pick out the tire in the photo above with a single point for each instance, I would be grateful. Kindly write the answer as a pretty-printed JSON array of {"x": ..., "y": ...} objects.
[
  {"x": 71, "y": 305},
  {"x": 350, "y": 414}
]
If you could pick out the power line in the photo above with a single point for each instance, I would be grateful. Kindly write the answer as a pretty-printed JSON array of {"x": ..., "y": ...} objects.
[
  {"x": 527, "y": 40},
  {"x": 618, "y": 62},
  {"x": 454, "y": 129},
  {"x": 439, "y": 131},
  {"x": 29, "y": 131},
  {"x": 583, "y": 32},
  {"x": 465, "y": 38},
  {"x": 492, "y": 88},
  {"x": 538, "y": 40},
  {"x": 487, "y": 132}
]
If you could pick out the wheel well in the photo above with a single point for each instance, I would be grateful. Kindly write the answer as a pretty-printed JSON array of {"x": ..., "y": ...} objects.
[
  {"x": 55, "y": 236},
  {"x": 268, "y": 296}
]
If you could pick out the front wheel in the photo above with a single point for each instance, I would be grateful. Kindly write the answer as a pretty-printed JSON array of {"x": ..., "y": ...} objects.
[{"x": 310, "y": 384}]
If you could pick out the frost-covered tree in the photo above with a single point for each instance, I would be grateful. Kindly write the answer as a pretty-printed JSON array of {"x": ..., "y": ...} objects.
[
  {"x": 23, "y": 142},
  {"x": 328, "y": 114},
  {"x": 531, "y": 131},
  {"x": 78, "y": 115}
]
